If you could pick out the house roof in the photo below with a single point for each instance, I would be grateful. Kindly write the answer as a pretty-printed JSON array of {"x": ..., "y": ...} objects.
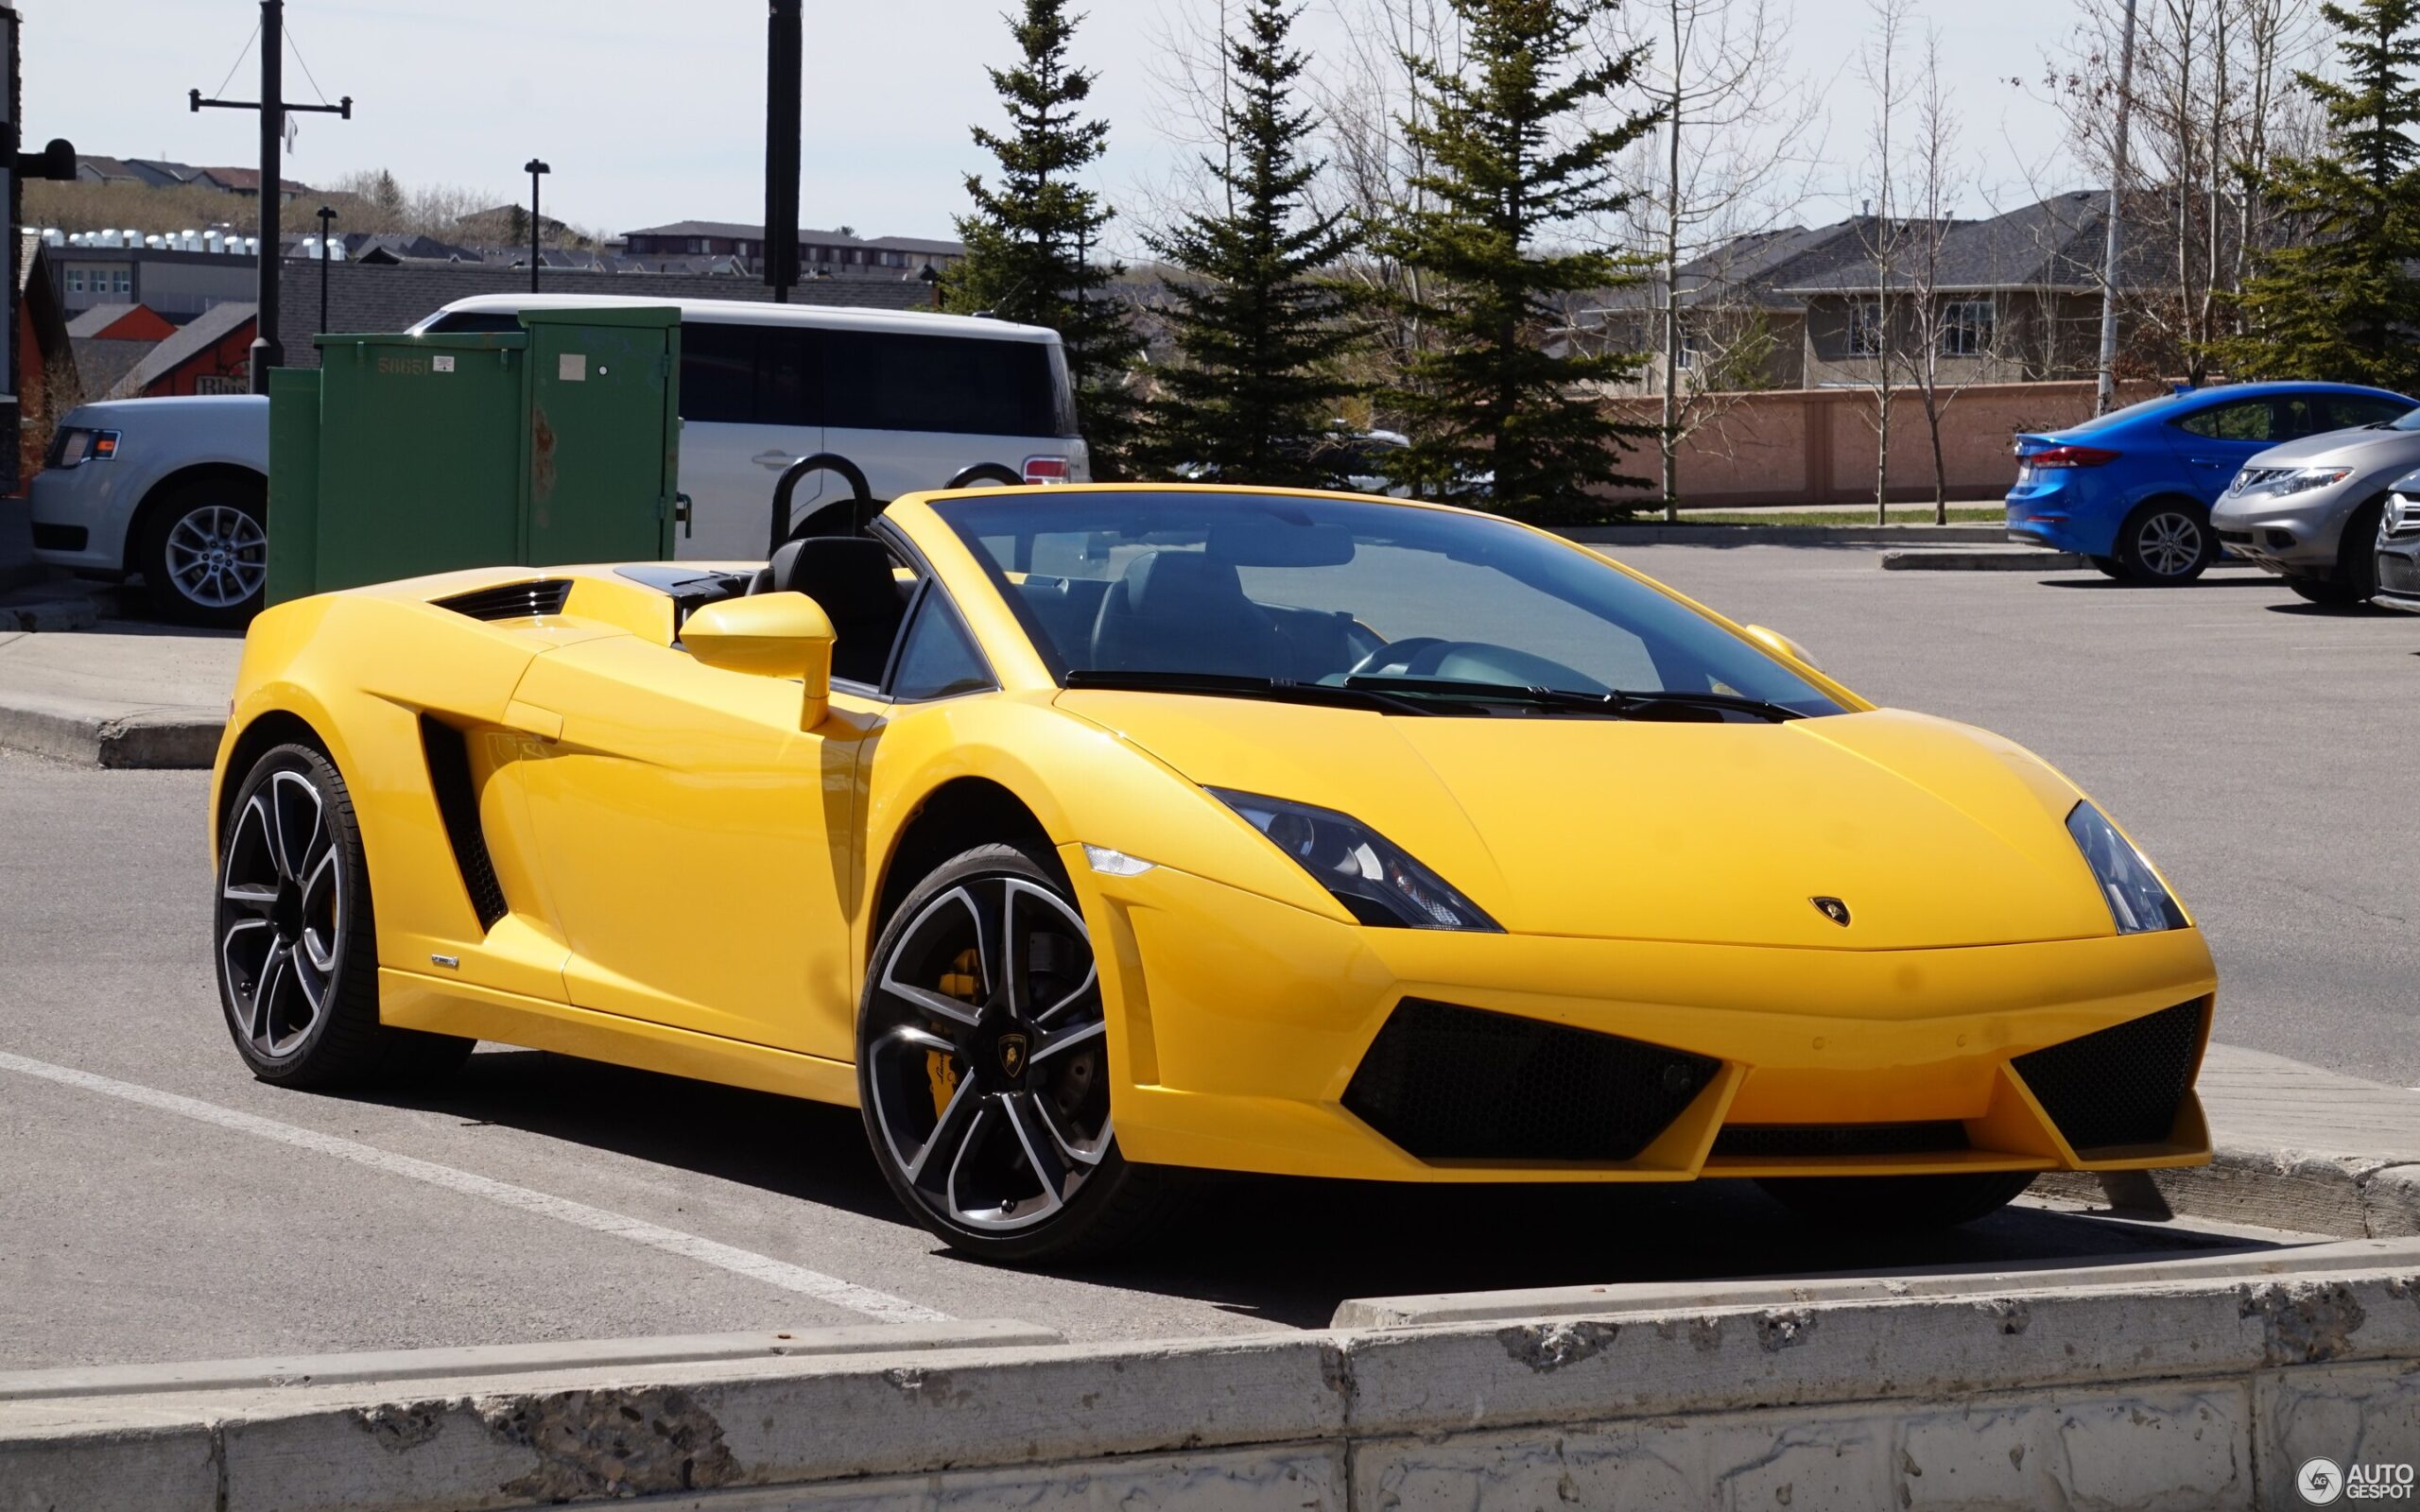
[
  {"x": 241, "y": 179},
  {"x": 196, "y": 336},
  {"x": 105, "y": 168},
  {"x": 737, "y": 230},
  {"x": 99, "y": 317},
  {"x": 2054, "y": 244},
  {"x": 100, "y": 362},
  {"x": 181, "y": 172}
]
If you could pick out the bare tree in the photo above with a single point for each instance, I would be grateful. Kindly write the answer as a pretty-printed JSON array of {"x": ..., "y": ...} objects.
[
  {"x": 1876, "y": 327},
  {"x": 1735, "y": 156},
  {"x": 1963, "y": 331}
]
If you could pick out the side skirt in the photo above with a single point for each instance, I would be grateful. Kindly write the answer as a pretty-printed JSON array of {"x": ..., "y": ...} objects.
[{"x": 410, "y": 999}]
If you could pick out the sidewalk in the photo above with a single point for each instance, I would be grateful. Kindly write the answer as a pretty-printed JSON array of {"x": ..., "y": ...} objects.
[{"x": 117, "y": 694}]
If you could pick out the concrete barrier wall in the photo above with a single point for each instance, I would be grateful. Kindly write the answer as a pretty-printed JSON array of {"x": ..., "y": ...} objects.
[
  {"x": 2201, "y": 1395},
  {"x": 1804, "y": 446}
]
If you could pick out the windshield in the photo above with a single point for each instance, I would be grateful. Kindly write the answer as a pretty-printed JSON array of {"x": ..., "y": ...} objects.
[{"x": 1370, "y": 597}]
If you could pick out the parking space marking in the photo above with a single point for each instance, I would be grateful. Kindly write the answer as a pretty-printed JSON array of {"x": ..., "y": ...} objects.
[{"x": 881, "y": 1306}]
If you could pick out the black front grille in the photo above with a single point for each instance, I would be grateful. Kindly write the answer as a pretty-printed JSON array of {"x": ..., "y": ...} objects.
[
  {"x": 2236, "y": 538},
  {"x": 60, "y": 538},
  {"x": 512, "y": 601},
  {"x": 1447, "y": 1083},
  {"x": 2122, "y": 1085},
  {"x": 2398, "y": 573},
  {"x": 457, "y": 804},
  {"x": 1767, "y": 1141}
]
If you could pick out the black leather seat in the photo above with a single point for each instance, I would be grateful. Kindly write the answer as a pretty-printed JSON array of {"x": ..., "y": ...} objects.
[
  {"x": 850, "y": 579},
  {"x": 1182, "y": 611}
]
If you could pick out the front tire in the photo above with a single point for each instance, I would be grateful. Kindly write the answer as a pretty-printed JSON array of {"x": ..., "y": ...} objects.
[
  {"x": 2327, "y": 592},
  {"x": 204, "y": 553},
  {"x": 2166, "y": 543},
  {"x": 983, "y": 1068},
  {"x": 1898, "y": 1203},
  {"x": 297, "y": 943},
  {"x": 2110, "y": 567}
]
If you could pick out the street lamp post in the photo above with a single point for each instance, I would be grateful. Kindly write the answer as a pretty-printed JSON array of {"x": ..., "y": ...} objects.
[
  {"x": 327, "y": 215},
  {"x": 533, "y": 168}
]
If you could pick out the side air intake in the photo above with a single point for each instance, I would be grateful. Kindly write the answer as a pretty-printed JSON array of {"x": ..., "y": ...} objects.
[
  {"x": 511, "y": 601},
  {"x": 457, "y": 804},
  {"x": 2117, "y": 1086},
  {"x": 1450, "y": 1083}
]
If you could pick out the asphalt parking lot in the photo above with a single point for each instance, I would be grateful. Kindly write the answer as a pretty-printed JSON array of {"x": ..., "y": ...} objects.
[{"x": 158, "y": 1203}]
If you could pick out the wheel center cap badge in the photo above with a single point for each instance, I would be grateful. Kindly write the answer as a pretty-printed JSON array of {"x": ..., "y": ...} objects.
[
  {"x": 1833, "y": 909},
  {"x": 1012, "y": 1053}
]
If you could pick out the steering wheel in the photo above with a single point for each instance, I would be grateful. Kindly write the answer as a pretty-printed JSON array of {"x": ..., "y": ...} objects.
[{"x": 1403, "y": 656}]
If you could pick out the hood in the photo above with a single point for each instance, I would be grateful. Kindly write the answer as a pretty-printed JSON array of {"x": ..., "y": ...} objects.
[
  {"x": 2364, "y": 450},
  {"x": 1932, "y": 833}
]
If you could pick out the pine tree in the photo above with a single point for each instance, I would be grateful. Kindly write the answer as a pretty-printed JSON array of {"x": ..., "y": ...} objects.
[
  {"x": 1259, "y": 332},
  {"x": 2343, "y": 304},
  {"x": 1513, "y": 166},
  {"x": 1032, "y": 241}
]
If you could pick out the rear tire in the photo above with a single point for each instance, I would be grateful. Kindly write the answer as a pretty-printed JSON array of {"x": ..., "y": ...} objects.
[
  {"x": 983, "y": 1068},
  {"x": 1898, "y": 1203},
  {"x": 204, "y": 551},
  {"x": 2166, "y": 543},
  {"x": 297, "y": 940}
]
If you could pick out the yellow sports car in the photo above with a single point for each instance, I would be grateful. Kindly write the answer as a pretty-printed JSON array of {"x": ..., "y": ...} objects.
[{"x": 1086, "y": 836}]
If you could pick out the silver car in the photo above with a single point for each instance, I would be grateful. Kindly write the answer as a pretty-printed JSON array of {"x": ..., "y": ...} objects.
[{"x": 2308, "y": 511}]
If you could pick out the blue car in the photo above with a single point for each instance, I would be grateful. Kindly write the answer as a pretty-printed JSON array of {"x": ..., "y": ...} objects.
[{"x": 2132, "y": 489}]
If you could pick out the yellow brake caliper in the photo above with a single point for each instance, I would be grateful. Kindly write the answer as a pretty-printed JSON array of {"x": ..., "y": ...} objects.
[{"x": 961, "y": 983}]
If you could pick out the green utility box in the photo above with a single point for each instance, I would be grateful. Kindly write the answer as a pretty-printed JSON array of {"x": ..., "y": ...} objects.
[{"x": 408, "y": 455}]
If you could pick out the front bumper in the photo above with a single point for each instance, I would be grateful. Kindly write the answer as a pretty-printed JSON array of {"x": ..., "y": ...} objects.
[
  {"x": 2399, "y": 572},
  {"x": 1238, "y": 1025},
  {"x": 2297, "y": 535},
  {"x": 77, "y": 521}
]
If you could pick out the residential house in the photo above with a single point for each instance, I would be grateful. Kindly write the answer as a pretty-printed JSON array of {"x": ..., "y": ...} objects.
[
  {"x": 836, "y": 253},
  {"x": 246, "y": 183},
  {"x": 120, "y": 323}
]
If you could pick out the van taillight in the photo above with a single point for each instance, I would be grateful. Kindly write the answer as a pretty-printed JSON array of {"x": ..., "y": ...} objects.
[
  {"x": 2070, "y": 457},
  {"x": 1046, "y": 470}
]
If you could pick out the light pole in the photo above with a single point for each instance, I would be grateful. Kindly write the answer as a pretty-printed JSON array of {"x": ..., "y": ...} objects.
[
  {"x": 327, "y": 215},
  {"x": 533, "y": 168}
]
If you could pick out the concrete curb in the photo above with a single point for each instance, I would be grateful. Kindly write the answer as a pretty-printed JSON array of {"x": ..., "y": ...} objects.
[
  {"x": 2204, "y": 1392},
  {"x": 2006, "y": 559},
  {"x": 1844, "y": 535},
  {"x": 151, "y": 738},
  {"x": 61, "y": 610},
  {"x": 2346, "y": 1196}
]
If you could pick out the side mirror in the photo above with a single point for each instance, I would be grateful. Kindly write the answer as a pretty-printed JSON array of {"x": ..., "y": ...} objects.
[
  {"x": 1776, "y": 642},
  {"x": 768, "y": 635}
]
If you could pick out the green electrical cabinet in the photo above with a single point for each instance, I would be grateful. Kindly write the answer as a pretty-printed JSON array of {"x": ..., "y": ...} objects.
[{"x": 408, "y": 455}]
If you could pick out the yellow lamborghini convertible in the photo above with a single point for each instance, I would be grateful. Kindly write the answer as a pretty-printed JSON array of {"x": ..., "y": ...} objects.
[{"x": 1085, "y": 836}]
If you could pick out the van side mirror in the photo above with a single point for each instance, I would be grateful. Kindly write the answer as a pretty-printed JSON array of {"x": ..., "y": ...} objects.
[
  {"x": 768, "y": 635},
  {"x": 1775, "y": 641}
]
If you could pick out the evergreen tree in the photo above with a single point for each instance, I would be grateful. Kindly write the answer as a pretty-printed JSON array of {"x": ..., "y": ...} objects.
[
  {"x": 1258, "y": 334},
  {"x": 1513, "y": 162},
  {"x": 2343, "y": 304},
  {"x": 1032, "y": 241}
]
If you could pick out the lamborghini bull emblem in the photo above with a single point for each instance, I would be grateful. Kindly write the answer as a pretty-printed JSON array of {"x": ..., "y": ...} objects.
[
  {"x": 1012, "y": 1054},
  {"x": 1833, "y": 909}
]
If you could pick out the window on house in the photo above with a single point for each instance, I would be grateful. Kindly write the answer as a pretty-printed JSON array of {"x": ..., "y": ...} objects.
[
  {"x": 74, "y": 280},
  {"x": 1865, "y": 328},
  {"x": 122, "y": 281},
  {"x": 1968, "y": 328}
]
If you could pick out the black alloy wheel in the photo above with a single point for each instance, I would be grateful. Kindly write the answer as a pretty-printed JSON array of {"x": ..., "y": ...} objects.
[
  {"x": 983, "y": 1068},
  {"x": 297, "y": 948}
]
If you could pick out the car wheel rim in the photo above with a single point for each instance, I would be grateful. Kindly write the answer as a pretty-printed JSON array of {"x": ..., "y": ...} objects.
[
  {"x": 218, "y": 555},
  {"x": 281, "y": 915},
  {"x": 985, "y": 1050},
  {"x": 2169, "y": 544}
]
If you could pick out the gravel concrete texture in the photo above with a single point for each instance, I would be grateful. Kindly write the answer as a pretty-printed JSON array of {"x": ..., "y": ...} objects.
[
  {"x": 2167, "y": 1395},
  {"x": 117, "y": 694}
]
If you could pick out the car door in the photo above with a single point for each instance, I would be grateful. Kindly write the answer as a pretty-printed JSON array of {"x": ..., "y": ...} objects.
[
  {"x": 701, "y": 849},
  {"x": 749, "y": 406},
  {"x": 2216, "y": 441}
]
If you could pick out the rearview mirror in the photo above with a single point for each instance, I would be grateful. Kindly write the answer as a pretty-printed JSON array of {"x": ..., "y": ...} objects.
[
  {"x": 768, "y": 635},
  {"x": 1775, "y": 641}
]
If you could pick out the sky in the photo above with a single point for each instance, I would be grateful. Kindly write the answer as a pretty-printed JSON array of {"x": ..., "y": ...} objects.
[{"x": 652, "y": 112}]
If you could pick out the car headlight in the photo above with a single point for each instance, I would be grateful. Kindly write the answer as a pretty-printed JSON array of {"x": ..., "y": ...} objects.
[
  {"x": 74, "y": 445},
  {"x": 1376, "y": 881},
  {"x": 2283, "y": 481},
  {"x": 2139, "y": 901}
]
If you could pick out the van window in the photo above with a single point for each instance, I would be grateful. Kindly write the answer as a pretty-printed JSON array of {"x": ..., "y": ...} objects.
[
  {"x": 747, "y": 374},
  {"x": 477, "y": 321},
  {"x": 879, "y": 381}
]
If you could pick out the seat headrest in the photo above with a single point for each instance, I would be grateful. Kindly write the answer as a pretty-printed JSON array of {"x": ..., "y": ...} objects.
[
  {"x": 1176, "y": 585},
  {"x": 848, "y": 576}
]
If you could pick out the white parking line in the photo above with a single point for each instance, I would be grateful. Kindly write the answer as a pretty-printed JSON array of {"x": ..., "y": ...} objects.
[{"x": 790, "y": 1278}]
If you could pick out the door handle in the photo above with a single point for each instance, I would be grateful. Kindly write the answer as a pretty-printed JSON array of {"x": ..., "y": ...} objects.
[{"x": 773, "y": 461}]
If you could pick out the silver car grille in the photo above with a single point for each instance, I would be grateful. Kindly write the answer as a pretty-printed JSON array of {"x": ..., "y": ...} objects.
[{"x": 2402, "y": 516}]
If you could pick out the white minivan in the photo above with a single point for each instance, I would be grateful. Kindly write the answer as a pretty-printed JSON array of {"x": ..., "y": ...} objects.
[{"x": 912, "y": 398}]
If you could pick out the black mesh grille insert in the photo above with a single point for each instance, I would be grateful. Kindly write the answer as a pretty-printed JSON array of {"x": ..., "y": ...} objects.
[
  {"x": 1760, "y": 1140},
  {"x": 2120, "y": 1085},
  {"x": 512, "y": 601},
  {"x": 1449, "y": 1083},
  {"x": 457, "y": 803}
]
